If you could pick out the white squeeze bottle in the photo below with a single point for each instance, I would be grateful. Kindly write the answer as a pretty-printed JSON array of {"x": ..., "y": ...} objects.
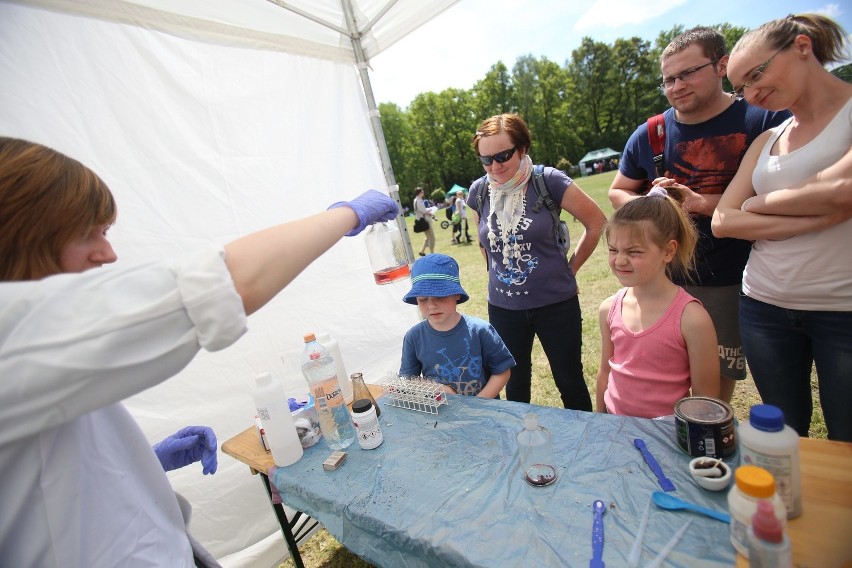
[
  {"x": 331, "y": 345},
  {"x": 765, "y": 441},
  {"x": 320, "y": 371},
  {"x": 274, "y": 413}
]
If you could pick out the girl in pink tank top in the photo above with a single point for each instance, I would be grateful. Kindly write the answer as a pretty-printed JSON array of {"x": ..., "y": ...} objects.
[{"x": 658, "y": 342}]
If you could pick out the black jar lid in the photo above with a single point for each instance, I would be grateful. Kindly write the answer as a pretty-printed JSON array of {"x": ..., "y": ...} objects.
[{"x": 361, "y": 405}]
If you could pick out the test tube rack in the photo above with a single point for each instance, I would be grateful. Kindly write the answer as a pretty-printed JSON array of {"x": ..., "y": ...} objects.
[{"x": 413, "y": 393}]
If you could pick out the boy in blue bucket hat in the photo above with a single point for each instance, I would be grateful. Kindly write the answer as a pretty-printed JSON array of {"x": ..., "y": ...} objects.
[{"x": 462, "y": 352}]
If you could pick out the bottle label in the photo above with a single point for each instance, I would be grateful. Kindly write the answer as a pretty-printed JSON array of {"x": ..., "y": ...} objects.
[
  {"x": 369, "y": 432},
  {"x": 327, "y": 394},
  {"x": 781, "y": 468}
]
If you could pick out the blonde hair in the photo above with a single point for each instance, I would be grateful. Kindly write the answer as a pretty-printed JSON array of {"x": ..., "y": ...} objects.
[
  {"x": 668, "y": 222},
  {"x": 828, "y": 38},
  {"x": 46, "y": 201}
]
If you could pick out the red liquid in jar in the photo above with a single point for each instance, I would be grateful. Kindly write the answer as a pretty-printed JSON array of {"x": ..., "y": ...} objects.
[{"x": 389, "y": 275}]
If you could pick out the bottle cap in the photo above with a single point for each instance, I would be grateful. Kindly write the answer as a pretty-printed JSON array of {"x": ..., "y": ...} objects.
[
  {"x": 361, "y": 405},
  {"x": 530, "y": 421},
  {"x": 755, "y": 481},
  {"x": 766, "y": 417},
  {"x": 765, "y": 524},
  {"x": 263, "y": 379},
  {"x": 310, "y": 337}
]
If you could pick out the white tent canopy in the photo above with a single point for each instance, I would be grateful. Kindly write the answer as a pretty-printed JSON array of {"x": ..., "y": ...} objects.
[{"x": 208, "y": 120}]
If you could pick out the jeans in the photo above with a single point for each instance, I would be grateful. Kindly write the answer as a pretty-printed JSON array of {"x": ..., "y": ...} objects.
[
  {"x": 559, "y": 328},
  {"x": 781, "y": 345}
]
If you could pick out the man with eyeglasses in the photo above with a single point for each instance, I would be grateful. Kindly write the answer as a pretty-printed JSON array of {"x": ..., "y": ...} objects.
[{"x": 707, "y": 132}]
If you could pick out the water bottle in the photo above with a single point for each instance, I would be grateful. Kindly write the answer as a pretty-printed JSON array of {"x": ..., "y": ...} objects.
[
  {"x": 274, "y": 413},
  {"x": 320, "y": 371},
  {"x": 387, "y": 252},
  {"x": 765, "y": 441},
  {"x": 331, "y": 345},
  {"x": 536, "y": 452}
]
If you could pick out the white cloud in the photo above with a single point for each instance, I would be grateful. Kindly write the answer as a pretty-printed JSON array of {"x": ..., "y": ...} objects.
[
  {"x": 833, "y": 11},
  {"x": 617, "y": 13}
]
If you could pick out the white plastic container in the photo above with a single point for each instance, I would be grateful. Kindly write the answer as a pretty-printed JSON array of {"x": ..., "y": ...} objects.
[
  {"x": 386, "y": 250},
  {"x": 765, "y": 441},
  {"x": 274, "y": 413},
  {"x": 768, "y": 546},
  {"x": 366, "y": 424},
  {"x": 752, "y": 484},
  {"x": 330, "y": 343}
]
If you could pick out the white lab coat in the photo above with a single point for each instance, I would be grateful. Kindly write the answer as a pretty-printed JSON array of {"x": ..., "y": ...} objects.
[{"x": 79, "y": 482}]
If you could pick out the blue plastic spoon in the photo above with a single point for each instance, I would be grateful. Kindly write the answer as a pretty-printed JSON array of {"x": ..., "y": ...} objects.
[
  {"x": 597, "y": 535},
  {"x": 667, "y": 501}
]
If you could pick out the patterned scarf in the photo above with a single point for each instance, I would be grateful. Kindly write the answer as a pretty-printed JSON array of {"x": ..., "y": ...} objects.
[{"x": 507, "y": 204}]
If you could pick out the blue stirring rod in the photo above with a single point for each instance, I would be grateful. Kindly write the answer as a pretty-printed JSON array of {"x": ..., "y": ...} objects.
[{"x": 665, "y": 483}]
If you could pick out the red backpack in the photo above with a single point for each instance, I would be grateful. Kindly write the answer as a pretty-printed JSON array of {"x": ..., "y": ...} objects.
[{"x": 657, "y": 138}]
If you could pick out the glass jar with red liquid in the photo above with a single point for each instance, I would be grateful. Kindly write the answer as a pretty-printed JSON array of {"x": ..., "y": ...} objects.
[{"x": 387, "y": 252}]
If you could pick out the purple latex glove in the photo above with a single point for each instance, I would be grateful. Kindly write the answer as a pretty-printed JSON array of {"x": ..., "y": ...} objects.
[
  {"x": 371, "y": 207},
  {"x": 188, "y": 445}
]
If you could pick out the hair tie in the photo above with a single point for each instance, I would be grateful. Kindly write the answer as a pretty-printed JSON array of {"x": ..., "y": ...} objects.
[{"x": 657, "y": 191}]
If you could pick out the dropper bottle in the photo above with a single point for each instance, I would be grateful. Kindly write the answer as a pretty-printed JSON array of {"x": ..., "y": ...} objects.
[{"x": 768, "y": 546}]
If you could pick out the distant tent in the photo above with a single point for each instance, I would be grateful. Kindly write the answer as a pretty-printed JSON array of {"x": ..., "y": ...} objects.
[
  {"x": 456, "y": 187},
  {"x": 603, "y": 154}
]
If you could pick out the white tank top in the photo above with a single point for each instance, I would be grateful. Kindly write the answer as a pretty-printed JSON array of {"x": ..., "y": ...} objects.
[{"x": 812, "y": 271}]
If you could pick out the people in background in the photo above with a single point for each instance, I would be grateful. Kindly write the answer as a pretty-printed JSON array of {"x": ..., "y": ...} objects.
[
  {"x": 421, "y": 211},
  {"x": 532, "y": 289},
  {"x": 461, "y": 352},
  {"x": 706, "y": 135},
  {"x": 81, "y": 485},
  {"x": 793, "y": 198},
  {"x": 658, "y": 343}
]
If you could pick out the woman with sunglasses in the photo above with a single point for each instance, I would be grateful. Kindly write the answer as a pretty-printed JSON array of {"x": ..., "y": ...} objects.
[
  {"x": 532, "y": 289},
  {"x": 792, "y": 197}
]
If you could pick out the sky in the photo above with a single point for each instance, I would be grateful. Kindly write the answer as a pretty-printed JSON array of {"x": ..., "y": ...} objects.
[{"x": 458, "y": 47}]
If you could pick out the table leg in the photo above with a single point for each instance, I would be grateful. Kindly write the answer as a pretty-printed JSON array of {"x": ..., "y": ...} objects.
[{"x": 288, "y": 524}]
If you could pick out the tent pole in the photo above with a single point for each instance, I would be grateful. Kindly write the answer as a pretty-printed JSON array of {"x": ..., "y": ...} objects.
[{"x": 375, "y": 121}]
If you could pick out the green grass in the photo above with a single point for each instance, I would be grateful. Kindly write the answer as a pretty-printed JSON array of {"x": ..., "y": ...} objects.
[{"x": 596, "y": 283}]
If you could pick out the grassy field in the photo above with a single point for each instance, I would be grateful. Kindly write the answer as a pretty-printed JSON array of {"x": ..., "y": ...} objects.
[{"x": 596, "y": 283}]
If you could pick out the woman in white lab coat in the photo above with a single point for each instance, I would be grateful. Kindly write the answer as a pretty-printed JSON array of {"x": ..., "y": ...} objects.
[{"x": 81, "y": 485}]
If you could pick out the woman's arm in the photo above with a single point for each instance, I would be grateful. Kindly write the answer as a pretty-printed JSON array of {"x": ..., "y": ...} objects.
[
  {"x": 729, "y": 220},
  {"x": 702, "y": 347},
  {"x": 263, "y": 263},
  {"x": 826, "y": 192},
  {"x": 495, "y": 384},
  {"x": 583, "y": 208},
  {"x": 606, "y": 354}
]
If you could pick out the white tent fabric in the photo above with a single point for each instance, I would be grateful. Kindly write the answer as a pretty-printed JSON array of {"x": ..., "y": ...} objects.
[{"x": 211, "y": 119}]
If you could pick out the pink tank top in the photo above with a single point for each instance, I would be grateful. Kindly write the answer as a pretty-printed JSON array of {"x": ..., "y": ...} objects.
[{"x": 649, "y": 370}]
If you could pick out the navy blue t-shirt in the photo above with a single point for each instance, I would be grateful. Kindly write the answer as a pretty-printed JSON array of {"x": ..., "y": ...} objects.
[{"x": 704, "y": 157}]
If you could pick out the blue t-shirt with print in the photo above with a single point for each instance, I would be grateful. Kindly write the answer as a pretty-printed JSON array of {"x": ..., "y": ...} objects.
[
  {"x": 704, "y": 157},
  {"x": 463, "y": 357},
  {"x": 541, "y": 275}
]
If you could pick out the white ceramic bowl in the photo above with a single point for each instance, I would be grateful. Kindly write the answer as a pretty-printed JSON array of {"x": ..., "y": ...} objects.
[{"x": 711, "y": 483}]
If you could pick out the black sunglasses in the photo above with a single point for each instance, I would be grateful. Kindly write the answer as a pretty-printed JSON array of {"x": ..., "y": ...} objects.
[{"x": 500, "y": 157}]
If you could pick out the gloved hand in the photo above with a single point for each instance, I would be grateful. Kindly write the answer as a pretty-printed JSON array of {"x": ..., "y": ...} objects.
[
  {"x": 371, "y": 207},
  {"x": 187, "y": 446}
]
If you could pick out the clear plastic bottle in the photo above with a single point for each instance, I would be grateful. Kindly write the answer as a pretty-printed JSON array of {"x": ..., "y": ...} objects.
[
  {"x": 765, "y": 441},
  {"x": 320, "y": 371},
  {"x": 333, "y": 348},
  {"x": 274, "y": 413},
  {"x": 752, "y": 484},
  {"x": 536, "y": 452},
  {"x": 768, "y": 546}
]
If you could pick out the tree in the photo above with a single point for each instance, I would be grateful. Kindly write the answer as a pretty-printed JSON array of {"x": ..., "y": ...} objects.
[{"x": 397, "y": 132}]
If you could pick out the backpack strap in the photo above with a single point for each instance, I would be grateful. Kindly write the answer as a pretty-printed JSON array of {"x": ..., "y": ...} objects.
[
  {"x": 481, "y": 188},
  {"x": 657, "y": 138}
]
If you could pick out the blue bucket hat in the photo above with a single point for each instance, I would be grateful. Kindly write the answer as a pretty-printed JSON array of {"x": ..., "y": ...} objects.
[{"x": 435, "y": 276}]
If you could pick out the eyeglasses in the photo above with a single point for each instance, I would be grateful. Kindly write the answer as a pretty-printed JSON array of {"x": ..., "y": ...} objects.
[
  {"x": 669, "y": 82},
  {"x": 756, "y": 74},
  {"x": 500, "y": 157}
]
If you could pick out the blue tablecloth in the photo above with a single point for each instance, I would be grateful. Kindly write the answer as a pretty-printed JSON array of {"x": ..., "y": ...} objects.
[{"x": 446, "y": 490}]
